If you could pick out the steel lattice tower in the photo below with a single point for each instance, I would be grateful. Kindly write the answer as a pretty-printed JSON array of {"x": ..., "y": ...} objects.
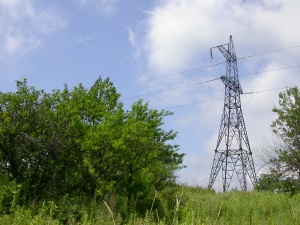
[{"x": 235, "y": 154}]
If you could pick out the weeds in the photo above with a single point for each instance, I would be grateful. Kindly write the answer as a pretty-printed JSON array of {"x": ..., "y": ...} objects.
[
  {"x": 111, "y": 213},
  {"x": 181, "y": 205}
]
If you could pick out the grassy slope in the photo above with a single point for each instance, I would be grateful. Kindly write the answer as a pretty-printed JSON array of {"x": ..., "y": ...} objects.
[{"x": 183, "y": 205}]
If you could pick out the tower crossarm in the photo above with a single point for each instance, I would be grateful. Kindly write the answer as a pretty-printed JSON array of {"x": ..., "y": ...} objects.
[
  {"x": 229, "y": 81},
  {"x": 229, "y": 56}
]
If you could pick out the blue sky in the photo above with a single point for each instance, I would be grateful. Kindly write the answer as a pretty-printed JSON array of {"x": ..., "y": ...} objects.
[{"x": 72, "y": 41}]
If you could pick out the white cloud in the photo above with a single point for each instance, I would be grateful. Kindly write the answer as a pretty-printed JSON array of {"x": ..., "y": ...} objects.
[
  {"x": 104, "y": 6},
  {"x": 107, "y": 6},
  {"x": 85, "y": 39},
  {"x": 26, "y": 26},
  {"x": 131, "y": 37},
  {"x": 16, "y": 9},
  {"x": 48, "y": 21},
  {"x": 178, "y": 37},
  {"x": 14, "y": 42},
  {"x": 181, "y": 31}
]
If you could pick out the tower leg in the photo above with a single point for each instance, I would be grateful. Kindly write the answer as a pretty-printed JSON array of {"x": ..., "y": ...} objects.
[{"x": 218, "y": 159}]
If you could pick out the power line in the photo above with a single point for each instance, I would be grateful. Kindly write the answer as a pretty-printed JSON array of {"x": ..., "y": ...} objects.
[
  {"x": 172, "y": 74},
  {"x": 194, "y": 103},
  {"x": 264, "y": 53},
  {"x": 170, "y": 89},
  {"x": 216, "y": 99},
  {"x": 273, "y": 89},
  {"x": 214, "y": 89},
  {"x": 271, "y": 70},
  {"x": 207, "y": 81},
  {"x": 203, "y": 67},
  {"x": 248, "y": 100}
]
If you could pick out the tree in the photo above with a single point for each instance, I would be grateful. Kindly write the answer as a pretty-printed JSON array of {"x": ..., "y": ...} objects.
[
  {"x": 24, "y": 137},
  {"x": 284, "y": 160},
  {"x": 81, "y": 142},
  {"x": 134, "y": 153},
  {"x": 149, "y": 160},
  {"x": 287, "y": 126}
]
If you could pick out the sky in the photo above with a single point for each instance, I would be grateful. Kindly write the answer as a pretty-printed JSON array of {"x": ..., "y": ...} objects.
[{"x": 159, "y": 51}]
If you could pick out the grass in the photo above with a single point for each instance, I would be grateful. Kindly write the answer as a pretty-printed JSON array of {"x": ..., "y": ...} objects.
[{"x": 181, "y": 205}]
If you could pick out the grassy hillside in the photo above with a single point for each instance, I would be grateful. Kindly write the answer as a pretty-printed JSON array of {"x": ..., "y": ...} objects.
[{"x": 180, "y": 205}]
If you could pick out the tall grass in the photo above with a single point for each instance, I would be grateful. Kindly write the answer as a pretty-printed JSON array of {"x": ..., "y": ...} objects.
[{"x": 180, "y": 205}]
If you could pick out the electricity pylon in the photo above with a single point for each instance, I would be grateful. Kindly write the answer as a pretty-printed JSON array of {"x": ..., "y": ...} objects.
[{"x": 235, "y": 155}]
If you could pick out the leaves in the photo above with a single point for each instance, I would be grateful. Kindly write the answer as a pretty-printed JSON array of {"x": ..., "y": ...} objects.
[
  {"x": 80, "y": 141},
  {"x": 285, "y": 161}
]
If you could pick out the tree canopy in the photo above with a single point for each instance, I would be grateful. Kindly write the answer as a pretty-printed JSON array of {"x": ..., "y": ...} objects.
[
  {"x": 284, "y": 158},
  {"x": 81, "y": 141}
]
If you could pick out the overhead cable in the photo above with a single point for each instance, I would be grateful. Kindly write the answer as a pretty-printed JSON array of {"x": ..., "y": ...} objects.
[
  {"x": 207, "y": 82},
  {"x": 216, "y": 99},
  {"x": 271, "y": 70},
  {"x": 194, "y": 103},
  {"x": 203, "y": 67},
  {"x": 170, "y": 89},
  {"x": 264, "y": 53},
  {"x": 172, "y": 74},
  {"x": 273, "y": 89}
]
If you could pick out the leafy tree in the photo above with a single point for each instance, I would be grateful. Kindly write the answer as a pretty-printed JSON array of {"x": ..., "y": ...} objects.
[
  {"x": 284, "y": 161},
  {"x": 148, "y": 159},
  {"x": 134, "y": 154},
  {"x": 81, "y": 142},
  {"x": 287, "y": 126},
  {"x": 23, "y": 136},
  {"x": 102, "y": 115}
]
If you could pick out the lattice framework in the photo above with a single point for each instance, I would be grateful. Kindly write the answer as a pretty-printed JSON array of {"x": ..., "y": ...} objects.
[{"x": 237, "y": 155}]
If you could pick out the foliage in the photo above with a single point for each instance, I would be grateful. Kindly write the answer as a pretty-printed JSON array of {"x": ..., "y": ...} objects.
[
  {"x": 81, "y": 143},
  {"x": 287, "y": 126},
  {"x": 284, "y": 160},
  {"x": 178, "y": 205}
]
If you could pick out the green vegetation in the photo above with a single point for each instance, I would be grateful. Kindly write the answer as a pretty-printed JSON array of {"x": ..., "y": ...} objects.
[
  {"x": 282, "y": 156},
  {"x": 77, "y": 157},
  {"x": 82, "y": 144},
  {"x": 177, "y": 205}
]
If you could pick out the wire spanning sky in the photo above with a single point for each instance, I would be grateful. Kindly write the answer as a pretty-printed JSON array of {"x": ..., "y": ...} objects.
[{"x": 151, "y": 48}]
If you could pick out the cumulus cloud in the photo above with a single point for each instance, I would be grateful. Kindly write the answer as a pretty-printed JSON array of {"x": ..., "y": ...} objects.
[
  {"x": 178, "y": 37},
  {"x": 180, "y": 31},
  {"x": 25, "y": 26}
]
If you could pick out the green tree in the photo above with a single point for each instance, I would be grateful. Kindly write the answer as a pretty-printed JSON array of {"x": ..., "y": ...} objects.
[
  {"x": 130, "y": 154},
  {"x": 81, "y": 142},
  {"x": 24, "y": 138},
  {"x": 102, "y": 115},
  {"x": 41, "y": 137},
  {"x": 284, "y": 160},
  {"x": 148, "y": 157}
]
